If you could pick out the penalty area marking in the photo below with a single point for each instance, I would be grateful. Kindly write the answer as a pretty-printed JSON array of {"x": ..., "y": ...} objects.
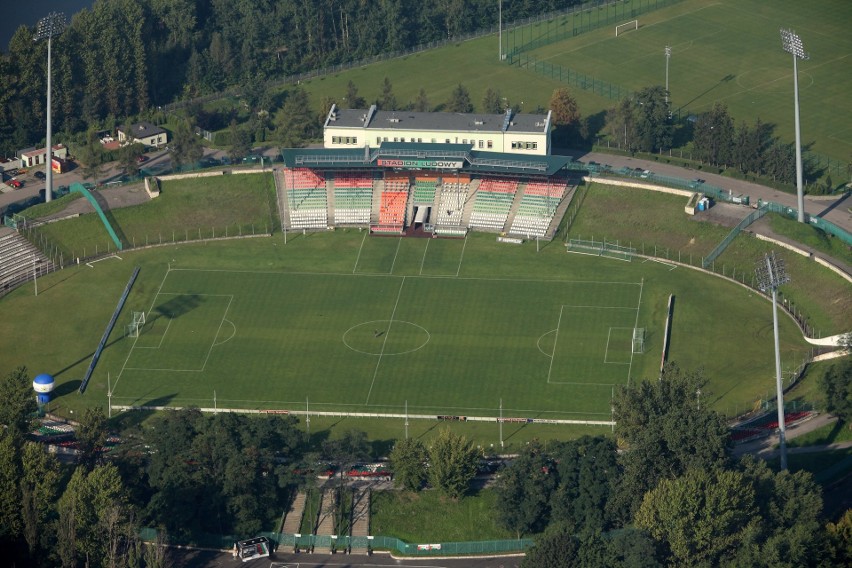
[
  {"x": 162, "y": 337},
  {"x": 663, "y": 262},
  {"x": 606, "y": 351},
  {"x": 542, "y": 336},
  {"x": 91, "y": 262}
]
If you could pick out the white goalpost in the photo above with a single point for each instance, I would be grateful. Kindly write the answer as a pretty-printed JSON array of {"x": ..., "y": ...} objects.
[
  {"x": 135, "y": 323},
  {"x": 638, "y": 340},
  {"x": 626, "y": 27}
]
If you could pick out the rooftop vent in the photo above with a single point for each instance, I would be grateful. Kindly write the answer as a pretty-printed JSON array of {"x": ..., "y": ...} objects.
[{"x": 479, "y": 122}]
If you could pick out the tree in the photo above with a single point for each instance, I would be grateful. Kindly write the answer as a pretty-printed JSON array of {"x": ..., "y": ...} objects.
[
  {"x": 128, "y": 158},
  {"x": 39, "y": 484},
  {"x": 836, "y": 385},
  {"x": 91, "y": 156},
  {"x": 17, "y": 404},
  {"x": 460, "y": 100},
  {"x": 699, "y": 517},
  {"x": 91, "y": 435},
  {"x": 295, "y": 123},
  {"x": 240, "y": 143},
  {"x": 565, "y": 113},
  {"x": 525, "y": 490},
  {"x": 840, "y": 540},
  {"x": 408, "y": 460},
  {"x": 352, "y": 98},
  {"x": 589, "y": 473},
  {"x": 453, "y": 461},
  {"x": 641, "y": 122},
  {"x": 387, "y": 100},
  {"x": 666, "y": 432},
  {"x": 555, "y": 549},
  {"x": 713, "y": 135},
  {"x": 491, "y": 101},
  {"x": 186, "y": 148},
  {"x": 11, "y": 523},
  {"x": 421, "y": 103}
]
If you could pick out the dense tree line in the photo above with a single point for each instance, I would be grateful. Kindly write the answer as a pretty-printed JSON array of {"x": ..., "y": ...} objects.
[
  {"x": 124, "y": 57},
  {"x": 672, "y": 496}
]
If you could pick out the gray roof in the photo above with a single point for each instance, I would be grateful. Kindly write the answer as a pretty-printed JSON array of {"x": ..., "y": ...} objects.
[
  {"x": 143, "y": 130},
  {"x": 440, "y": 121}
]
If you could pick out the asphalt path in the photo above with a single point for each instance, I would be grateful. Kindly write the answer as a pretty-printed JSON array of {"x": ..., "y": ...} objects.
[{"x": 837, "y": 210}]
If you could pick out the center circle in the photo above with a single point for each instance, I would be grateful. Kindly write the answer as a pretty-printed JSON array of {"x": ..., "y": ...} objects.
[{"x": 386, "y": 337}]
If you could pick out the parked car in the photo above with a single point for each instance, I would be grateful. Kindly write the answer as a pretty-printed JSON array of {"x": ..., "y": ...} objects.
[
  {"x": 16, "y": 184},
  {"x": 646, "y": 174},
  {"x": 40, "y": 175},
  {"x": 141, "y": 158}
]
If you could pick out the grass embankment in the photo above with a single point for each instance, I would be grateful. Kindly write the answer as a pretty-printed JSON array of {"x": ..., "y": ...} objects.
[
  {"x": 428, "y": 516},
  {"x": 655, "y": 223},
  {"x": 186, "y": 210}
]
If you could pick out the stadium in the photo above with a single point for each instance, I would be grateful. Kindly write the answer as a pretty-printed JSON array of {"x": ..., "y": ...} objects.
[{"x": 399, "y": 272}]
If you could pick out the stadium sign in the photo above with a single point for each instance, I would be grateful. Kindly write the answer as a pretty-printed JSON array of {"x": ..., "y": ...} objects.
[{"x": 420, "y": 164}]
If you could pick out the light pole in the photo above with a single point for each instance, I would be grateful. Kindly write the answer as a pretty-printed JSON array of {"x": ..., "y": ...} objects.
[
  {"x": 500, "y": 28},
  {"x": 668, "y": 56},
  {"x": 792, "y": 44},
  {"x": 770, "y": 274},
  {"x": 51, "y": 25},
  {"x": 35, "y": 276}
]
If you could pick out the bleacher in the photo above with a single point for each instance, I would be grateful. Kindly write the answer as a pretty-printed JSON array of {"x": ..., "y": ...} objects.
[
  {"x": 537, "y": 207},
  {"x": 453, "y": 198},
  {"x": 493, "y": 201},
  {"x": 424, "y": 190},
  {"x": 16, "y": 261},
  {"x": 353, "y": 199},
  {"x": 394, "y": 198},
  {"x": 307, "y": 199}
]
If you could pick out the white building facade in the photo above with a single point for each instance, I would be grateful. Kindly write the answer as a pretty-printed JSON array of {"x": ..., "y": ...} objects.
[{"x": 513, "y": 133}]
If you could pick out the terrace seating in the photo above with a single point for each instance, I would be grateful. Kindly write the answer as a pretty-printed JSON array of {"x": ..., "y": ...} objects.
[
  {"x": 16, "y": 261},
  {"x": 307, "y": 199},
  {"x": 493, "y": 202},
  {"x": 392, "y": 210},
  {"x": 353, "y": 199},
  {"x": 424, "y": 190},
  {"x": 537, "y": 208},
  {"x": 452, "y": 202}
]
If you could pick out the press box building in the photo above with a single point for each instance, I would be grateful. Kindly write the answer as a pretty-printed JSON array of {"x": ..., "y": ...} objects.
[{"x": 525, "y": 134}]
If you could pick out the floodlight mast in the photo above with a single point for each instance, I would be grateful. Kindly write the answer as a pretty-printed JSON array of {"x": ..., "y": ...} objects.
[
  {"x": 668, "y": 56},
  {"x": 792, "y": 44},
  {"x": 48, "y": 27},
  {"x": 771, "y": 274}
]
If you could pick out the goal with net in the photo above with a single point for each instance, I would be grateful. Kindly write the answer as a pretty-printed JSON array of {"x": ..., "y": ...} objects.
[
  {"x": 137, "y": 321},
  {"x": 639, "y": 340},
  {"x": 626, "y": 27}
]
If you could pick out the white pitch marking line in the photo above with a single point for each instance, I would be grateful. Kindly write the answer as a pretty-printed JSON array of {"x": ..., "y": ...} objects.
[
  {"x": 423, "y": 260},
  {"x": 162, "y": 337},
  {"x": 635, "y": 325},
  {"x": 357, "y": 258},
  {"x": 398, "y": 244},
  {"x": 219, "y": 329},
  {"x": 387, "y": 333},
  {"x": 461, "y": 258},
  {"x": 555, "y": 339}
]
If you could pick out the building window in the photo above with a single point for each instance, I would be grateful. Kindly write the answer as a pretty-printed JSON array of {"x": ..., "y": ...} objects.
[
  {"x": 378, "y": 139},
  {"x": 420, "y": 140},
  {"x": 447, "y": 141},
  {"x": 433, "y": 140},
  {"x": 490, "y": 144},
  {"x": 480, "y": 144}
]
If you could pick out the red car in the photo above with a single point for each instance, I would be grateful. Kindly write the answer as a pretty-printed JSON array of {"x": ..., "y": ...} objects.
[
  {"x": 141, "y": 158},
  {"x": 15, "y": 183}
]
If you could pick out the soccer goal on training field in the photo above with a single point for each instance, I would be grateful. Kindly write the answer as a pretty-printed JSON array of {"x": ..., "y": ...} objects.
[
  {"x": 626, "y": 27},
  {"x": 137, "y": 321},
  {"x": 638, "y": 339}
]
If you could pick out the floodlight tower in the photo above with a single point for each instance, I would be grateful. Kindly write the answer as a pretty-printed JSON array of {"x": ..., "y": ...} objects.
[
  {"x": 668, "y": 56},
  {"x": 48, "y": 27},
  {"x": 770, "y": 274},
  {"x": 792, "y": 44}
]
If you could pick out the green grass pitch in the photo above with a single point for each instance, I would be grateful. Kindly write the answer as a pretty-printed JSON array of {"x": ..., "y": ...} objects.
[{"x": 396, "y": 329}]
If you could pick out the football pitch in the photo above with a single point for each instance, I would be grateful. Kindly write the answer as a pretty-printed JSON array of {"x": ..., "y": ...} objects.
[
  {"x": 729, "y": 52},
  {"x": 401, "y": 328}
]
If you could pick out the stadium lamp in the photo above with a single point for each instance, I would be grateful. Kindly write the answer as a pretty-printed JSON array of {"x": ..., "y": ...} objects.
[
  {"x": 49, "y": 27},
  {"x": 792, "y": 44},
  {"x": 668, "y": 56},
  {"x": 771, "y": 274}
]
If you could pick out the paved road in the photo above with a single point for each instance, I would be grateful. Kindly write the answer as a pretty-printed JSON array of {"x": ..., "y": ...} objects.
[{"x": 838, "y": 210}]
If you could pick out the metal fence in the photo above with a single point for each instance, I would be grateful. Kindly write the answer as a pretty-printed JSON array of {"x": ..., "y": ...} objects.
[
  {"x": 574, "y": 78},
  {"x": 326, "y": 543}
]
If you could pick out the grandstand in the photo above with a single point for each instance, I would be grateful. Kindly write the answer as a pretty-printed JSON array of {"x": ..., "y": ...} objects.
[
  {"x": 424, "y": 190},
  {"x": 20, "y": 261},
  {"x": 307, "y": 198},
  {"x": 537, "y": 208}
]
